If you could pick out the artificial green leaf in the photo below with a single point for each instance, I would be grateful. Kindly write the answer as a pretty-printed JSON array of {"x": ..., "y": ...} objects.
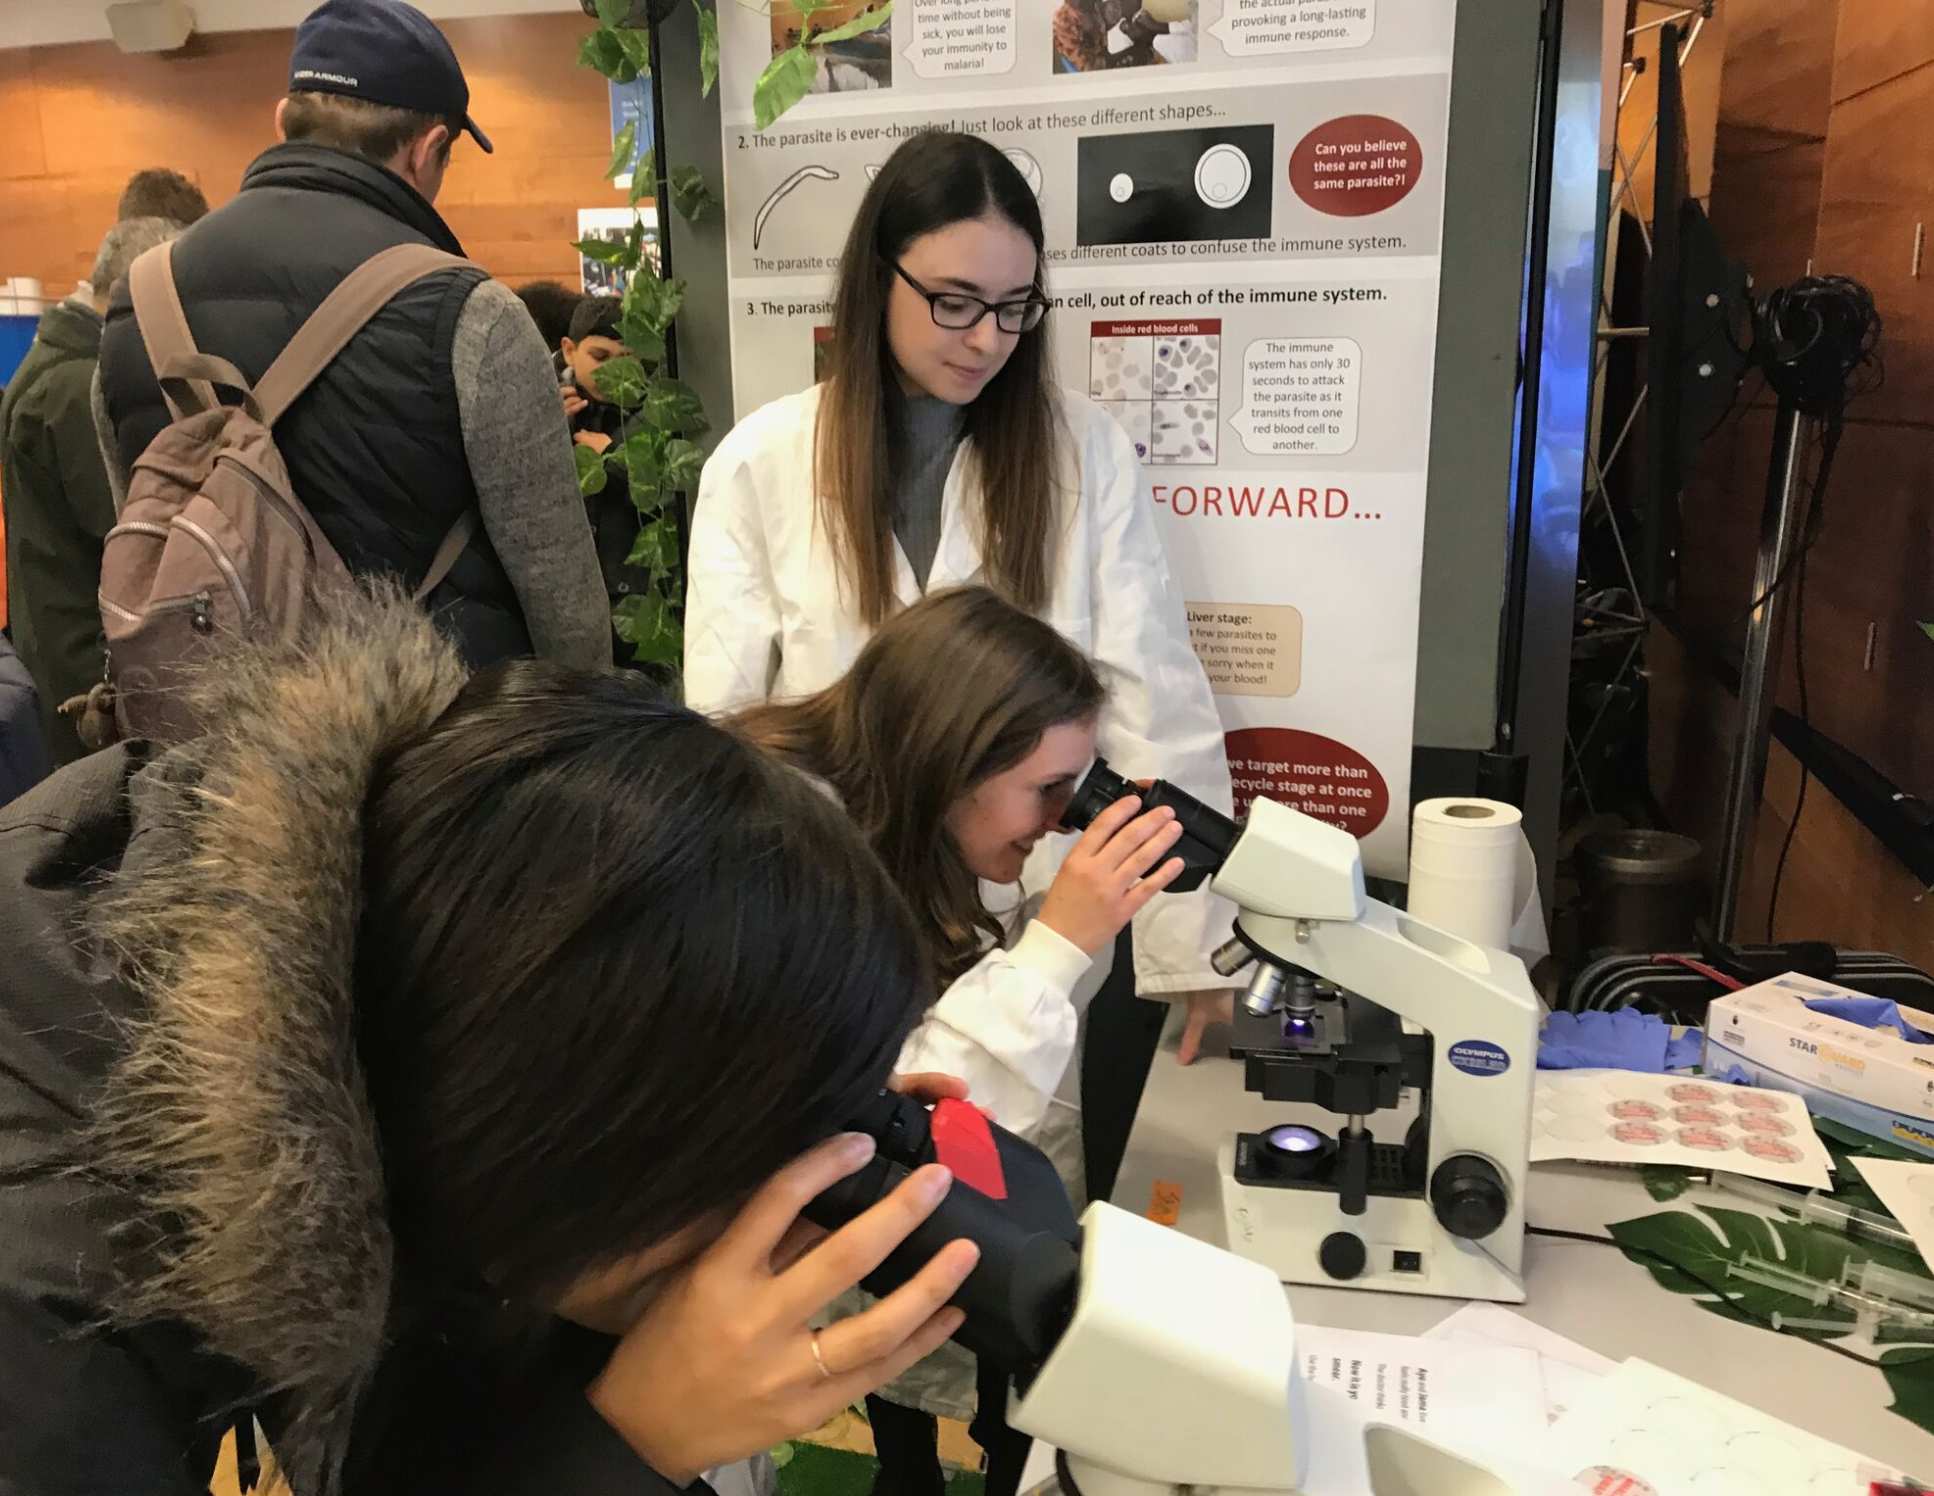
[
  {"x": 613, "y": 12},
  {"x": 643, "y": 454},
  {"x": 691, "y": 196},
  {"x": 622, "y": 150},
  {"x": 644, "y": 345},
  {"x": 1928, "y": 629},
  {"x": 872, "y": 20},
  {"x": 708, "y": 50},
  {"x": 684, "y": 461},
  {"x": 644, "y": 177},
  {"x": 622, "y": 381},
  {"x": 604, "y": 251},
  {"x": 788, "y": 78},
  {"x": 650, "y": 304},
  {"x": 1910, "y": 1377},
  {"x": 1688, "y": 1241},
  {"x": 646, "y": 622},
  {"x": 656, "y": 547},
  {"x": 673, "y": 405},
  {"x": 1665, "y": 1182},
  {"x": 591, "y": 474},
  {"x": 637, "y": 49},
  {"x": 603, "y": 51}
]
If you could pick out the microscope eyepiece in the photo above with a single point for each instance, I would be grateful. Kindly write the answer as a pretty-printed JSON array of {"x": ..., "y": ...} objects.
[{"x": 1208, "y": 836}]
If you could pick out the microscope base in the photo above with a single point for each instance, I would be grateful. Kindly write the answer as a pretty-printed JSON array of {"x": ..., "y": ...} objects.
[{"x": 1404, "y": 1249}]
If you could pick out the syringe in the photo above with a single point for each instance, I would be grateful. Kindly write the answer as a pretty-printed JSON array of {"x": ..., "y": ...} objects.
[
  {"x": 1818, "y": 1208},
  {"x": 1865, "y": 1290}
]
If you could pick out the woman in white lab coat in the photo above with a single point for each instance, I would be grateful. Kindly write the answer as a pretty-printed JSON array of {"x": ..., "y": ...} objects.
[
  {"x": 938, "y": 452},
  {"x": 955, "y": 743}
]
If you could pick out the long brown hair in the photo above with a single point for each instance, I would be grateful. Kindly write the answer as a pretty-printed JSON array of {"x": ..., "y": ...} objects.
[
  {"x": 936, "y": 178},
  {"x": 956, "y": 689}
]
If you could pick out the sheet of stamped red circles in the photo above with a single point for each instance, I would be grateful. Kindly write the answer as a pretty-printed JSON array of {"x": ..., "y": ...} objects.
[{"x": 1617, "y": 1116}]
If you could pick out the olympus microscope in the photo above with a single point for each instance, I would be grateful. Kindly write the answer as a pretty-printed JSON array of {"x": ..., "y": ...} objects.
[
  {"x": 1352, "y": 1008},
  {"x": 1152, "y": 1363}
]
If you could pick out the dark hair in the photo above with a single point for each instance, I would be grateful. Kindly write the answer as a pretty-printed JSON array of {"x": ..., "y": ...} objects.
[
  {"x": 954, "y": 690},
  {"x": 373, "y": 131},
  {"x": 550, "y": 304},
  {"x": 596, "y": 317},
  {"x": 160, "y": 193},
  {"x": 935, "y": 178},
  {"x": 586, "y": 911},
  {"x": 456, "y": 992}
]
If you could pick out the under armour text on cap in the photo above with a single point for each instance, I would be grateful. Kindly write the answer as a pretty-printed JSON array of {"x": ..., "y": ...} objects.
[{"x": 383, "y": 51}]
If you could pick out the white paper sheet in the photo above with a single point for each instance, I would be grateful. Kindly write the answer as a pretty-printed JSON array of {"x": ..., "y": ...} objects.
[
  {"x": 1907, "y": 1190},
  {"x": 1681, "y": 1439},
  {"x": 1623, "y": 1117},
  {"x": 1478, "y": 1400},
  {"x": 1475, "y": 1400},
  {"x": 1567, "y": 1370}
]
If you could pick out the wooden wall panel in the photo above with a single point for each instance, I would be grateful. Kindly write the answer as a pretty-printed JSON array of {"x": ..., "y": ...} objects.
[
  {"x": 25, "y": 153},
  {"x": 1878, "y": 40},
  {"x": 1873, "y": 569},
  {"x": 1841, "y": 884},
  {"x": 1849, "y": 203},
  {"x": 1878, "y": 183},
  {"x": 78, "y": 120},
  {"x": 1766, "y": 199},
  {"x": 1778, "y": 73}
]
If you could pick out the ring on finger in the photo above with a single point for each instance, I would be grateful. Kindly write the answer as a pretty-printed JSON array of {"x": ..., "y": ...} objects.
[{"x": 818, "y": 1359}]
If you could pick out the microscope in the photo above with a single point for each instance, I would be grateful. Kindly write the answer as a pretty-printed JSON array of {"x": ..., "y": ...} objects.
[
  {"x": 1149, "y": 1361},
  {"x": 1353, "y": 1007}
]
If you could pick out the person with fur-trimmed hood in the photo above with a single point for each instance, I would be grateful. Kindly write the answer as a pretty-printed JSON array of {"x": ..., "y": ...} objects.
[{"x": 372, "y": 1066}]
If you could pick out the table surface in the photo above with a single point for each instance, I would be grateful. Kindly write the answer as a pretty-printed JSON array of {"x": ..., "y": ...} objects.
[{"x": 1587, "y": 1293}]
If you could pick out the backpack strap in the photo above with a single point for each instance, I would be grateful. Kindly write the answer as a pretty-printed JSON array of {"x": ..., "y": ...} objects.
[
  {"x": 164, "y": 328},
  {"x": 455, "y": 540},
  {"x": 363, "y": 293}
]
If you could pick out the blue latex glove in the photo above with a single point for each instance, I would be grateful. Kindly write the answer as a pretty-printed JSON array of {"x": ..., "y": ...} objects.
[
  {"x": 1870, "y": 1012},
  {"x": 1685, "y": 1051},
  {"x": 1624, "y": 1039}
]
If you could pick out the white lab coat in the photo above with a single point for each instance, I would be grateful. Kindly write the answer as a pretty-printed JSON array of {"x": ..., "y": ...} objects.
[{"x": 765, "y": 617}]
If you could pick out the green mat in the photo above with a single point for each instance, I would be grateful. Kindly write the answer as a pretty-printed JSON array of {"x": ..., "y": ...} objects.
[{"x": 814, "y": 1470}]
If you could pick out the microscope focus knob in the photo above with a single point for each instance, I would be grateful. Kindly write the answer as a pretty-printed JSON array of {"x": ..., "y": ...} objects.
[
  {"x": 1468, "y": 1196},
  {"x": 1343, "y": 1255}
]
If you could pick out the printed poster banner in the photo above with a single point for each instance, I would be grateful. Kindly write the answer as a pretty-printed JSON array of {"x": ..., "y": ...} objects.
[{"x": 1244, "y": 204}]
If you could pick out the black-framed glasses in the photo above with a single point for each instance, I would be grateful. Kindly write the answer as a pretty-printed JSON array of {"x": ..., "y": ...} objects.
[{"x": 957, "y": 311}]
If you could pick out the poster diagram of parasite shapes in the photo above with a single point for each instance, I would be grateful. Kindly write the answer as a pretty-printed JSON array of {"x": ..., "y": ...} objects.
[{"x": 1244, "y": 207}]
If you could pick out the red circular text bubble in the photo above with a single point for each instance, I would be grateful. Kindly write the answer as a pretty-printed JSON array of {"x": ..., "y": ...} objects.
[
  {"x": 1308, "y": 772},
  {"x": 1356, "y": 165}
]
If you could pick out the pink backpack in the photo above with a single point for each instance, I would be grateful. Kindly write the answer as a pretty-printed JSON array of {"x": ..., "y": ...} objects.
[{"x": 212, "y": 542}]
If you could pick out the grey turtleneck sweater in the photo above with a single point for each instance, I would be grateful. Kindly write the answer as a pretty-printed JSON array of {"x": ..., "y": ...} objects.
[{"x": 929, "y": 432}]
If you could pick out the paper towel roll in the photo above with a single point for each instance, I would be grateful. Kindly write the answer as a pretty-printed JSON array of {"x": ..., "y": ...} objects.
[{"x": 1467, "y": 862}]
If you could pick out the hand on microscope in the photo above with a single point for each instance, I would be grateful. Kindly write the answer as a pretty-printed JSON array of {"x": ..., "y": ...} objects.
[
  {"x": 721, "y": 1364},
  {"x": 1111, "y": 873}
]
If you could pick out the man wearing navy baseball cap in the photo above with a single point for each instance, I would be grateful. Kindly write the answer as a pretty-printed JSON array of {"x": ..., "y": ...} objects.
[{"x": 445, "y": 403}]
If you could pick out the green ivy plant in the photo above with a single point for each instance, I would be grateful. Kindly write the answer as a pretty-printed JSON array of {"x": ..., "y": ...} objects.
[
  {"x": 658, "y": 451},
  {"x": 788, "y": 78}
]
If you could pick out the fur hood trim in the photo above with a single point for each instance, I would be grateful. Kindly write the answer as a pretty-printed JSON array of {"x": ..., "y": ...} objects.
[{"x": 240, "y": 1116}]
